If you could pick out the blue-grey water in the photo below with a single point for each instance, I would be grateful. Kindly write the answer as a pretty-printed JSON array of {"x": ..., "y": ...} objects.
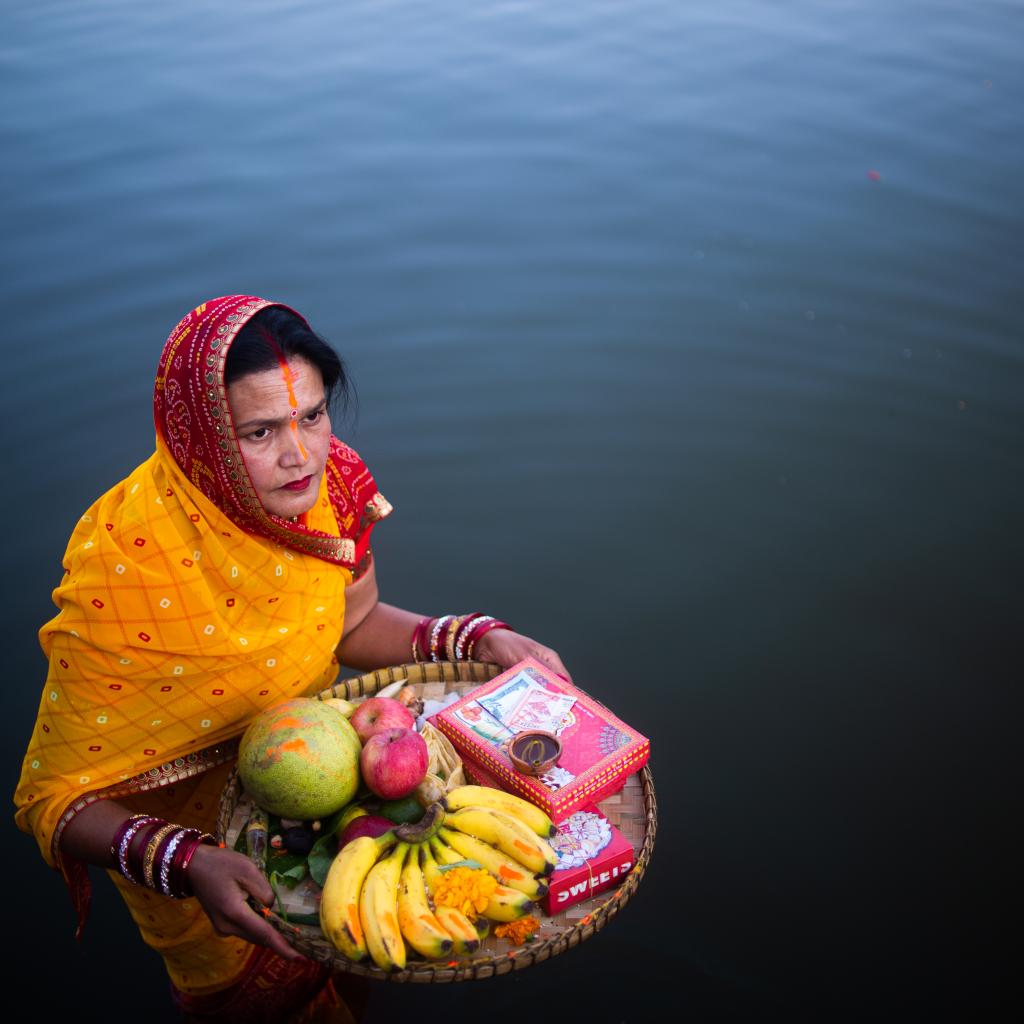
[{"x": 687, "y": 337}]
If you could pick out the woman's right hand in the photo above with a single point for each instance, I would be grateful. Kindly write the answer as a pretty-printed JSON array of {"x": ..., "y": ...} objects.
[{"x": 222, "y": 881}]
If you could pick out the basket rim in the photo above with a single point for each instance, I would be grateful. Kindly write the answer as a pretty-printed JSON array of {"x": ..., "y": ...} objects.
[{"x": 466, "y": 968}]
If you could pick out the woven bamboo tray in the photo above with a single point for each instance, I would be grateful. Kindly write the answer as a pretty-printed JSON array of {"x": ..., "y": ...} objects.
[{"x": 632, "y": 810}]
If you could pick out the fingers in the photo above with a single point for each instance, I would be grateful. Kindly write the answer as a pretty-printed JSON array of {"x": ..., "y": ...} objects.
[
  {"x": 553, "y": 662},
  {"x": 256, "y": 884},
  {"x": 223, "y": 881},
  {"x": 245, "y": 923},
  {"x": 506, "y": 648},
  {"x": 261, "y": 932}
]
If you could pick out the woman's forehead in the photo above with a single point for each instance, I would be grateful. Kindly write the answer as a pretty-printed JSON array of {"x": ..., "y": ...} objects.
[{"x": 296, "y": 383}]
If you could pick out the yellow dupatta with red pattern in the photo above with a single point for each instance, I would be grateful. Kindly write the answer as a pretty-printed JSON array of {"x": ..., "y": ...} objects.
[{"x": 185, "y": 609}]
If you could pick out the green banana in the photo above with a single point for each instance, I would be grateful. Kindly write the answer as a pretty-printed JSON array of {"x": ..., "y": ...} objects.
[
  {"x": 339, "y": 903},
  {"x": 418, "y": 925},
  {"x": 378, "y": 911},
  {"x": 483, "y": 796}
]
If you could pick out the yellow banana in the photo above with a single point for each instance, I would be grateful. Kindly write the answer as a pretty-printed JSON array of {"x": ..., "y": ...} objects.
[
  {"x": 483, "y": 796},
  {"x": 508, "y": 834},
  {"x": 443, "y": 853},
  {"x": 509, "y": 872},
  {"x": 420, "y": 928},
  {"x": 464, "y": 935},
  {"x": 431, "y": 872},
  {"x": 508, "y": 904},
  {"x": 378, "y": 911},
  {"x": 529, "y": 837},
  {"x": 346, "y": 707},
  {"x": 339, "y": 904},
  {"x": 505, "y": 904}
]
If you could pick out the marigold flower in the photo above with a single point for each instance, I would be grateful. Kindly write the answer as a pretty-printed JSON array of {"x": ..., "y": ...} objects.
[
  {"x": 465, "y": 889},
  {"x": 517, "y": 932}
]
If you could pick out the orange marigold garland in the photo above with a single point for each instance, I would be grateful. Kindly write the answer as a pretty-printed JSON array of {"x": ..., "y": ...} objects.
[
  {"x": 465, "y": 889},
  {"x": 517, "y": 932}
]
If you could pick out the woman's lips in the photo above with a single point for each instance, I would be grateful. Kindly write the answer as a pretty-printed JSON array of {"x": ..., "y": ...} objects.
[{"x": 298, "y": 485}]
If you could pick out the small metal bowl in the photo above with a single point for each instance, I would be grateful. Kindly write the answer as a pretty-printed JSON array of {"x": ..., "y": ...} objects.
[{"x": 534, "y": 752}]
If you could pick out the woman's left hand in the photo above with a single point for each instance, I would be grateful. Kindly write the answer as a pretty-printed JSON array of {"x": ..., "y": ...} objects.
[{"x": 504, "y": 647}]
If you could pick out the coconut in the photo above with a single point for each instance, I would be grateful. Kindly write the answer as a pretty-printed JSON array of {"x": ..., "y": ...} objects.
[{"x": 300, "y": 759}]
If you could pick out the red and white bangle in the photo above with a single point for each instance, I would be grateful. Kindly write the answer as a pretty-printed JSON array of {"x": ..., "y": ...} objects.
[
  {"x": 435, "y": 633},
  {"x": 462, "y": 640},
  {"x": 123, "y": 841},
  {"x": 167, "y": 860},
  {"x": 480, "y": 632}
]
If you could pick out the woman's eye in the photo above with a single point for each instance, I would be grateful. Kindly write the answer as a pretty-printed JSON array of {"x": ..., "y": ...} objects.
[
  {"x": 314, "y": 417},
  {"x": 258, "y": 435}
]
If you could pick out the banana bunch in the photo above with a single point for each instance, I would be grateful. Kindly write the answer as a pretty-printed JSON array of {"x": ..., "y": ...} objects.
[{"x": 377, "y": 898}]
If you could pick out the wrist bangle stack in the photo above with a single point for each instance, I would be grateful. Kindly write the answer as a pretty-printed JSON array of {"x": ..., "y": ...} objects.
[
  {"x": 152, "y": 852},
  {"x": 451, "y": 637}
]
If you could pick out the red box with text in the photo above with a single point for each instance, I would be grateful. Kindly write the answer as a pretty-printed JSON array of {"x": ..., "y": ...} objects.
[{"x": 593, "y": 855}]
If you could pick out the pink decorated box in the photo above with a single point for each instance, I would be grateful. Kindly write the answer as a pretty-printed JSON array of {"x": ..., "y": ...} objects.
[
  {"x": 599, "y": 751},
  {"x": 593, "y": 855}
]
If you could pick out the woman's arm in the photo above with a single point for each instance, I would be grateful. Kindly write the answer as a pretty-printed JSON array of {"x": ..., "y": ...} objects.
[
  {"x": 377, "y": 634},
  {"x": 221, "y": 879}
]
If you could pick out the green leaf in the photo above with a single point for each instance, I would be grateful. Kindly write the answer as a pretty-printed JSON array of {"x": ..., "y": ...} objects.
[
  {"x": 320, "y": 858},
  {"x": 289, "y": 869},
  {"x": 474, "y": 864},
  {"x": 289, "y": 879}
]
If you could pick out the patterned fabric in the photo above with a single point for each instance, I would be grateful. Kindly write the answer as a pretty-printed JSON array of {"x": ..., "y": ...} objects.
[
  {"x": 192, "y": 416},
  {"x": 185, "y": 609},
  {"x": 268, "y": 992}
]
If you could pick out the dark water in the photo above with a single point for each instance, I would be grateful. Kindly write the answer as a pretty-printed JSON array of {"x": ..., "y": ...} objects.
[{"x": 688, "y": 338}]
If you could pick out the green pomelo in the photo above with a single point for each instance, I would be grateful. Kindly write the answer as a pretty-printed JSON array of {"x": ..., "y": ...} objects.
[{"x": 300, "y": 759}]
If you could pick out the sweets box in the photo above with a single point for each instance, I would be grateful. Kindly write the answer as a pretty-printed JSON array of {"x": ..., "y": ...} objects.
[
  {"x": 599, "y": 751},
  {"x": 593, "y": 855}
]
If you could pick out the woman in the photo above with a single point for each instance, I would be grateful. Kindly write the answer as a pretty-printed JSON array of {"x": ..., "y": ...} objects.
[{"x": 213, "y": 582}]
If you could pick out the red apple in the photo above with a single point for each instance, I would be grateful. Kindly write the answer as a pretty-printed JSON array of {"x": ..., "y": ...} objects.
[
  {"x": 372, "y": 825},
  {"x": 393, "y": 763},
  {"x": 379, "y": 714}
]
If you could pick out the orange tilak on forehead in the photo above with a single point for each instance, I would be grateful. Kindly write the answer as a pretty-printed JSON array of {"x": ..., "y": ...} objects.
[{"x": 289, "y": 379}]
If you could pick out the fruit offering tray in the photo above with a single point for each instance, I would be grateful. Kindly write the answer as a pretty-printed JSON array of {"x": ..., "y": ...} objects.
[{"x": 633, "y": 811}]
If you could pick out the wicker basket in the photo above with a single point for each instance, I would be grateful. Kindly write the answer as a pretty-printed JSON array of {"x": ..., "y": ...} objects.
[{"x": 633, "y": 811}]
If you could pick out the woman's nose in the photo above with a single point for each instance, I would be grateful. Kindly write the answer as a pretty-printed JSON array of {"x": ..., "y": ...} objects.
[{"x": 294, "y": 453}]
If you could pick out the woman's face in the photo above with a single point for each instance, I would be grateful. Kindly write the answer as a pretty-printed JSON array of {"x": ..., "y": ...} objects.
[{"x": 283, "y": 429}]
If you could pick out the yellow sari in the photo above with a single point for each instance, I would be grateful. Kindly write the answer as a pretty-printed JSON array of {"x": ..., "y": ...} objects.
[{"x": 175, "y": 627}]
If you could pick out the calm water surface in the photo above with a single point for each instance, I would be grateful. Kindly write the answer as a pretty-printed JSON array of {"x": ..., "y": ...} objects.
[{"x": 687, "y": 338}]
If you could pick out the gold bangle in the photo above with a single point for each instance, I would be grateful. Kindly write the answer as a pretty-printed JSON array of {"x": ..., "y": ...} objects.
[
  {"x": 453, "y": 631},
  {"x": 150, "y": 855}
]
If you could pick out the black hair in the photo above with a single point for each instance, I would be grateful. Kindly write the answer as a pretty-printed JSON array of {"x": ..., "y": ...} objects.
[{"x": 275, "y": 332}]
